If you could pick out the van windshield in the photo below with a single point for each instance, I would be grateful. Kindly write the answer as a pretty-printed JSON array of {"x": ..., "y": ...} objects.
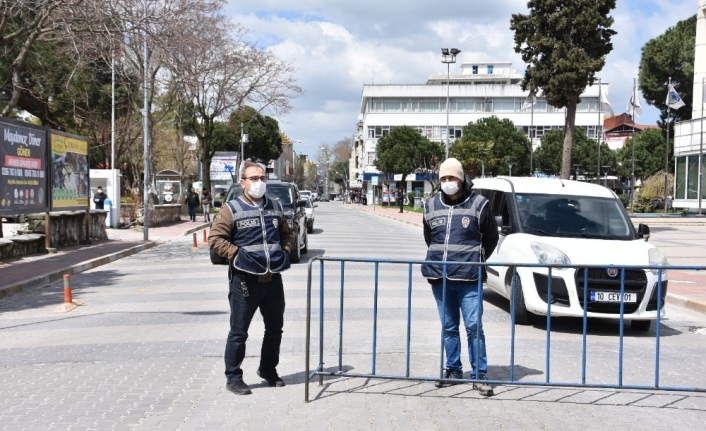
[{"x": 573, "y": 216}]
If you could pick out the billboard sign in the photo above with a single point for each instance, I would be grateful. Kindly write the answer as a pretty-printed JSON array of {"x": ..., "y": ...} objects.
[
  {"x": 69, "y": 168},
  {"x": 23, "y": 168},
  {"x": 223, "y": 168}
]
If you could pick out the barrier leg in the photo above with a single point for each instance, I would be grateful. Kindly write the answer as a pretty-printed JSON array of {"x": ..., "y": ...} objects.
[
  {"x": 205, "y": 239},
  {"x": 195, "y": 244}
]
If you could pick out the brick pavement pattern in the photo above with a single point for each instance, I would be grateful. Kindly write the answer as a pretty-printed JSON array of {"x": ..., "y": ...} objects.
[{"x": 145, "y": 353}]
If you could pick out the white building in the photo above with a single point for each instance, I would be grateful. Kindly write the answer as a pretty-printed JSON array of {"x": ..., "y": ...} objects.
[
  {"x": 479, "y": 90},
  {"x": 688, "y": 135}
]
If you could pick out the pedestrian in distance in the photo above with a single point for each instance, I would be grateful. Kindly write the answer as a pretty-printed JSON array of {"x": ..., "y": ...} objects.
[
  {"x": 206, "y": 201},
  {"x": 251, "y": 232},
  {"x": 400, "y": 198},
  {"x": 192, "y": 201},
  {"x": 459, "y": 227},
  {"x": 99, "y": 198}
]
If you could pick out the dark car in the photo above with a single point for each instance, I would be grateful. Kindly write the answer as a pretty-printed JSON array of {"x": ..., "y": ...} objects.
[{"x": 288, "y": 195}]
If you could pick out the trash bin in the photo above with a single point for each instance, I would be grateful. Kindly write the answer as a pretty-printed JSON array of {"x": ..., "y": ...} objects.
[
  {"x": 107, "y": 204},
  {"x": 417, "y": 203}
]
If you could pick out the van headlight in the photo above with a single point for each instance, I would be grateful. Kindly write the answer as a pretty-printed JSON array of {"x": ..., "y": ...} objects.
[
  {"x": 550, "y": 255},
  {"x": 657, "y": 259}
]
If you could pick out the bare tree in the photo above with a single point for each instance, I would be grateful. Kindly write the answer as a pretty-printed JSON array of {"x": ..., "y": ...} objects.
[{"x": 222, "y": 72}]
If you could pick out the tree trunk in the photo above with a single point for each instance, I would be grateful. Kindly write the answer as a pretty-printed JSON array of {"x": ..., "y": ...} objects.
[{"x": 568, "y": 139}]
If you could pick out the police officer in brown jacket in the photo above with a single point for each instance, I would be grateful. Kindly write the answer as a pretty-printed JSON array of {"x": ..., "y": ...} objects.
[{"x": 252, "y": 233}]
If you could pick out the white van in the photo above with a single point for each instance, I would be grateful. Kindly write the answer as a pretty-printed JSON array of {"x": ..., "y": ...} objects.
[{"x": 553, "y": 221}]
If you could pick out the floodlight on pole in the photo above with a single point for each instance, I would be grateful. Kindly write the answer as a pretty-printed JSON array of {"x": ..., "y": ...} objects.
[{"x": 448, "y": 57}]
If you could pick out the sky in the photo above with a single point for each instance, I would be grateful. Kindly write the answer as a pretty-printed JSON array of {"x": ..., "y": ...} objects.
[{"x": 336, "y": 46}]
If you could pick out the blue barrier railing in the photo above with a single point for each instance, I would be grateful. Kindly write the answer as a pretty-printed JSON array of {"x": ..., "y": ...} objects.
[{"x": 514, "y": 286}]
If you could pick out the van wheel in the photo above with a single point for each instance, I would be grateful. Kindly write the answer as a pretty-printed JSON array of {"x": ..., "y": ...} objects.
[
  {"x": 640, "y": 325},
  {"x": 295, "y": 254},
  {"x": 522, "y": 316}
]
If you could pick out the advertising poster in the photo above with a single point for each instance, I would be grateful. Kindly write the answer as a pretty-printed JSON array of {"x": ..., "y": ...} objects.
[
  {"x": 223, "y": 168},
  {"x": 23, "y": 170},
  {"x": 69, "y": 168}
]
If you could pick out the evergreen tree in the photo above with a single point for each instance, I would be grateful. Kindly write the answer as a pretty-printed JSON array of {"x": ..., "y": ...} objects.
[{"x": 564, "y": 44}]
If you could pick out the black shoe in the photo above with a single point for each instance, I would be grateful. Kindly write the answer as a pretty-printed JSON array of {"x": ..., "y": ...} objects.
[
  {"x": 448, "y": 374},
  {"x": 239, "y": 387},
  {"x": 272, "y": 379},
  {"x": 482, "y": 387}
]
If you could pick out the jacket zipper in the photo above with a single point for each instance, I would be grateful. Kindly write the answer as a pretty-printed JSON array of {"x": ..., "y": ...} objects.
[
  {"x": 264, "y": 237},
  {"x": 448, "y": 233}
]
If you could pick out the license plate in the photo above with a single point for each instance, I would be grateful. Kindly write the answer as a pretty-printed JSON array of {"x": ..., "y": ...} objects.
[{"x": 612, "y": 297}]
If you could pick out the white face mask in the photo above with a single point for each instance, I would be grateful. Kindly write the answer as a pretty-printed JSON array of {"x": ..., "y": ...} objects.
[
  {"x": 450, "y": 187},
  {"x": 257, "y": 190}
]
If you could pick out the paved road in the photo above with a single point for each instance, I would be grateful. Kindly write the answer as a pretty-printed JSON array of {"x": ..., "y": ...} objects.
[{"x": 145, "y": 353}]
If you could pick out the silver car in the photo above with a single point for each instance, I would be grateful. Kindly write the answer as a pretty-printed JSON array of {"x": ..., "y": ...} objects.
[{"x": 309, "y": 208}]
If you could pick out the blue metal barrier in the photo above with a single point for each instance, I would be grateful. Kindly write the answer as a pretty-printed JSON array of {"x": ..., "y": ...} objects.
[{"x": 512, "y": 380}]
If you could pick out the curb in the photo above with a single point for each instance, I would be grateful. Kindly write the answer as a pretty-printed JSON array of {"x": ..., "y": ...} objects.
[
  {"x": 48, "y": 278},
  {"x": 682, "y": 301},
  {"x": 51, "y": 277}
]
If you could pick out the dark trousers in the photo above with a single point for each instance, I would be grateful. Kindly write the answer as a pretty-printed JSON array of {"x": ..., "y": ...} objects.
[
  {"x": 192, "y": 211},
  {"x": 269, "y": 298}
]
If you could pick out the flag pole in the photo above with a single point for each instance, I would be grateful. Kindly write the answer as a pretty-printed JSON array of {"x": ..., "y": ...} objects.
[
  {"x": 532, "y": 134},
  {"x": 600, "y": 112},
  {"x": 701, "y": 147},
  {"x": 632, "y": 175},
  {"x": 666, "y": 151}
]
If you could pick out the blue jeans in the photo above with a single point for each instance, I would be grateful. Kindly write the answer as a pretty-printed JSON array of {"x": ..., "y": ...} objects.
[
  {"x": 462, "y": 295},
  {"x": 192, "y": 211},
  {"x": 269, "y": 298}
]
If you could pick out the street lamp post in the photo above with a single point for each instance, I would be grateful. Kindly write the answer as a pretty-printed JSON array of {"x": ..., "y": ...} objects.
[
  {"x": 509, "y": 166},
  {"x": 576, "y": 171},
  {"x": 448, "y": 57},
  {"x": 327, "y": 154}
]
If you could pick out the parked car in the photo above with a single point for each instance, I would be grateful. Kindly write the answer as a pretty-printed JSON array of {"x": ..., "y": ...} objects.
[
  {"x": 288, "y": 195},
  {"x": 553, "y": 221},
  {"x": 306, "y": 194},
  {"x": 309, "y": 208}
]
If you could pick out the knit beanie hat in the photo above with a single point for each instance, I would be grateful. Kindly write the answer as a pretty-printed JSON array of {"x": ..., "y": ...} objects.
[{"x": 451, "y": 168}]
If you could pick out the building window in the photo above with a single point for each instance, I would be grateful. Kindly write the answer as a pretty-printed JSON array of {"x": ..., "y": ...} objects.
[
  {"x": 681, "y": 178},
  {"x": 474, "y": 70},
  {"x": 429, "y": 105},
  {"x": 490, "y": 69},
  {"x": 692, "y": 185}
]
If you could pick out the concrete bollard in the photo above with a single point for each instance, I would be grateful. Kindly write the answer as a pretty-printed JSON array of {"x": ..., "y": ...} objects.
[
  {"x": 195, "y": 244},
  {"x": 205, "y": 238}
]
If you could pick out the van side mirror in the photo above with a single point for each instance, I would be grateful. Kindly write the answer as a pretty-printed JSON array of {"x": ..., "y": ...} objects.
[
  {"x": 504, "y": 230},
  {"x": 643, "y": 231},
  {"x": 217, "y": 204},
  {"x": 301, "y": 203}
]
